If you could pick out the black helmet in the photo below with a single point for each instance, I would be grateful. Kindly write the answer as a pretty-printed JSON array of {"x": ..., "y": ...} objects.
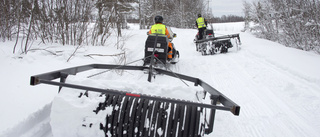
[
  {"x": 199, "y": 15},
  {"x": 158, "y": 19}
]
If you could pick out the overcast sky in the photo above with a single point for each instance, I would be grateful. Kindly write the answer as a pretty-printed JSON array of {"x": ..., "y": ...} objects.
[{"x": 227, "y": 7}]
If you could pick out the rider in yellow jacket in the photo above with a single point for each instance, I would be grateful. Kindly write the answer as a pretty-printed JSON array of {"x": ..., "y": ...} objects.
[
  {"x": 201, "y": 24},
  {"x": 159, "y": 28}
]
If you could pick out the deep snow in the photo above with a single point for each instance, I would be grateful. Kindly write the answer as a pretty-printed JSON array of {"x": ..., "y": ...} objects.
[{"x": 278, "y": 88}]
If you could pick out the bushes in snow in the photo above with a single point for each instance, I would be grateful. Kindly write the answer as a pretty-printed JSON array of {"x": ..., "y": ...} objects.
[{"x": 294, "y": 23}]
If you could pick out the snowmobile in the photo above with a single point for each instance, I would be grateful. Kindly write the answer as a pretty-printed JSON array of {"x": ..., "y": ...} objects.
[
  {"x": 208, "y": 33},
  {"x": 156, "y": 49},
  {"x": 210, "y": 44}
]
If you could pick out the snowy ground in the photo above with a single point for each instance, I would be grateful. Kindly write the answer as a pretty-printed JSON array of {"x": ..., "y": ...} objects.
[{"x": 278, "y": 88}]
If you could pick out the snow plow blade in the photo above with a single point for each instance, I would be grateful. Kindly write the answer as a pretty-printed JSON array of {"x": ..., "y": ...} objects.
[{"x": 174, "y": 117}]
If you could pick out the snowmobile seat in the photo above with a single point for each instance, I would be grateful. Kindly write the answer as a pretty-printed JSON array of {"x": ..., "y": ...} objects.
[
  {"x": 157, "y": 44},
  {"x": 209, "y": 32}
]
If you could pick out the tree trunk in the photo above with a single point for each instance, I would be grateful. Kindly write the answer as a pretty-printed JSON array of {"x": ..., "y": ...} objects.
[
  {"x": 29, "y": 28},
  {"x": 18, "y": 24}
]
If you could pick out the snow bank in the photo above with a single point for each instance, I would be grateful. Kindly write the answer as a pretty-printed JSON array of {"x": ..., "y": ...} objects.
[{"x": 36, "y": 125}]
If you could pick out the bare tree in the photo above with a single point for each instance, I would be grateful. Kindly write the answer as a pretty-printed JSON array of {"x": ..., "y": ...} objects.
[
  {"x": 29, "y": 35},
  {"x": 181, "y": 13},
  {"x": 18, "y": 13}
]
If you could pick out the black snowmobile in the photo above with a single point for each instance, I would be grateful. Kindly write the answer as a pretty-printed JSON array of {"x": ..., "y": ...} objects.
[
  {"x": 156, "y": 49},
  {"x": 210, "y": 44},
  {"x": 208, "y": 33}
]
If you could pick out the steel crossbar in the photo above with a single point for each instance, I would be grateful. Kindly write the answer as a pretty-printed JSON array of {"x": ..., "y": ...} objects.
[
  {"x": 47, "y": 78},
  {"x": 215, "y": 95}
]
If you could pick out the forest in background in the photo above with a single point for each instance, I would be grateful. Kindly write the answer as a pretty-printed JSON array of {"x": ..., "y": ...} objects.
[
  {"x": 293, "y": 23},
  {"x": 83, "y": 22}
]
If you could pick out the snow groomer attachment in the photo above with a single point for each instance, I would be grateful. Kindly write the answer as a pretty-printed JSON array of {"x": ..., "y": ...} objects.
[
  {"x": 147, "y": 115},
  {"x": 210, "y": 44}
]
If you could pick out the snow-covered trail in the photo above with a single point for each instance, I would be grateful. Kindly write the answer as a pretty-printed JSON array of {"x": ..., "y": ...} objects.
[
  {"x": 274, "y": 100},
  {"x": 275, "y": 86}
]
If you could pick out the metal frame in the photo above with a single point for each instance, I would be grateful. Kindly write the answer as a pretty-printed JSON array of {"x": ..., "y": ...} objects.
[
  {"x": 220, "y": 37},
  {"x": 216, "y": 96}
]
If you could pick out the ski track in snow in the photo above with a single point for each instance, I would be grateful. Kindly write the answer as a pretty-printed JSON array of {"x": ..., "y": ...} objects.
[
  {"x": 275, "y": 100},
  {"x": 260, "y": 101},
  {"x": 264, "y": 109}
]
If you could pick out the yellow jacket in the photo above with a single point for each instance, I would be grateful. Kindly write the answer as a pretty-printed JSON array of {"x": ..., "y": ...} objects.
[
  {"x": 159, "y": 28},
  {"x": 201, "y": 22}
]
